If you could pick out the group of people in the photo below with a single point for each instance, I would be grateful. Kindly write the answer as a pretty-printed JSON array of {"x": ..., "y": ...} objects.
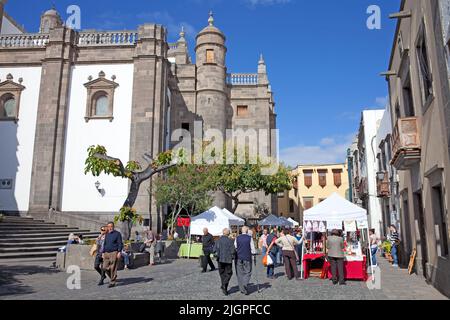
[
  {"x": 286, "y": 244},
  {"x": 394, "y": 240},
  {"x": 110, "y": 249}
]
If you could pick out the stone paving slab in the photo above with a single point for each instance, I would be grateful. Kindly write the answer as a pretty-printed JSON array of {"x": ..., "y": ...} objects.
[{"x": 182, "y": 279}]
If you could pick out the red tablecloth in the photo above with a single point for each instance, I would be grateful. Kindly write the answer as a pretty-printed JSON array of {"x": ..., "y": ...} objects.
[
  {"x": 308, "y": 258},
  {"x": 353, "y": 270}
]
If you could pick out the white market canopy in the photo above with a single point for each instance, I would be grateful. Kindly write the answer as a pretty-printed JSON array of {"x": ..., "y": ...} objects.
[
  {"x": 295, "y": 223},
  {"x": 214, "y": 219},
  {"x": 234, "y": 220},
  {"x": 273, "y": 221},
  {"x": 335, "y": 209}
]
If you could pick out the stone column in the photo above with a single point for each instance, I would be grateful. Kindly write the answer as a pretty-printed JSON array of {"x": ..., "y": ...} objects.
[
  {"x": 48, "y": 157},
  {"x": 149, "y": 107}
]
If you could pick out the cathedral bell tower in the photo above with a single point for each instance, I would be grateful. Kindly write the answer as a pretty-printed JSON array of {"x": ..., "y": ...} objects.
[
  {"x": 50, "y": 20},
  {"x": 212, "y": 96}
]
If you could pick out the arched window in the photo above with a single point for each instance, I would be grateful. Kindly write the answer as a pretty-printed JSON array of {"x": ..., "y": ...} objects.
[
  {"x": 8, "y": 106},
  {"x": 101, "y": 105}
]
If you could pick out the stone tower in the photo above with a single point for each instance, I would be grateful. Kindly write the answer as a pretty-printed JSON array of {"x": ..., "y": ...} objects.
[
  {"x": 50, "y": 20},
  {"x": 212, "y": 98},
  {"x": 212, "y": 95}
]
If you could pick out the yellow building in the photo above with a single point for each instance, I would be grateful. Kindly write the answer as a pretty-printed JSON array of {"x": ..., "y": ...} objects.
[{"x": 313, "y": 184}]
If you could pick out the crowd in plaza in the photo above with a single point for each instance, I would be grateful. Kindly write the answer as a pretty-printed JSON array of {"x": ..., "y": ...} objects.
[{"x": 271, "y": 246}]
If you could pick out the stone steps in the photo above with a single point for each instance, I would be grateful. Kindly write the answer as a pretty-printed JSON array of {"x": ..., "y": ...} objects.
[{"x": 23, "y": 239}]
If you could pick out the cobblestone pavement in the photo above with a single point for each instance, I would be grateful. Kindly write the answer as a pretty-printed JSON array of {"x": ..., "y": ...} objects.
[{"x": 181, "y": 279}]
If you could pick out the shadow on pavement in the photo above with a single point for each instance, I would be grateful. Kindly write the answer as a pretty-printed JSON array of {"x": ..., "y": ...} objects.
[
  {"x": 10, "y": 285},
  {"x": 130, "y": 281}
]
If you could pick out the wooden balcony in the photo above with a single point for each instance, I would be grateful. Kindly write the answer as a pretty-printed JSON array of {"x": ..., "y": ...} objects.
[
  {"x": 362, "y": 188},
  {"x": 406, "y": 143},
  {"x": 383, "y": 186}
]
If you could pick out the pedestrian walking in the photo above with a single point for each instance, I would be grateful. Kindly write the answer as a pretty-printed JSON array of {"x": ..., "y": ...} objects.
[
  {"x": 272, "y": 251},
  {"x": 373, "y": 246},
  {"x": 245, "y": 248},
  {"x": 150, "y": 243},
  {"x": 394, "y": 239},
  {"x": 98, "y": 263},
  {"x": 262, "y": 243},
  {"x": 111, "y": 253},
  {"x": 287, "y": 244},
  {"x": 208, "y": 249},
  {"x": 225, "y": 251},
  {"x": 335, "y": 247}
]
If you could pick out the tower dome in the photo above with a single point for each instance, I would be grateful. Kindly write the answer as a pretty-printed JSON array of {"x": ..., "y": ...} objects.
[
  {"x": 50, "y": 20},
  {"x": 210, "y": 34}
]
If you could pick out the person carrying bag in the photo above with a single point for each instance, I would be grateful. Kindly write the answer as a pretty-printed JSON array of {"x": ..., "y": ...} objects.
[{"x": 290, "y": 255}]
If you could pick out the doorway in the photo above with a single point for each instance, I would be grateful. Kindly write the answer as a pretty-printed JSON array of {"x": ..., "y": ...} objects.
[{"x": 418, "y": 208}]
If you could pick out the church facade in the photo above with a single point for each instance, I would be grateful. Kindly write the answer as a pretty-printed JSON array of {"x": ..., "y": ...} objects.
[{"x": 62, "y": 91}]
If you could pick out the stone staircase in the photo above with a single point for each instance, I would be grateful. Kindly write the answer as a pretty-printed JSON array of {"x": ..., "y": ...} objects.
[{"x": 24, "y": 239}]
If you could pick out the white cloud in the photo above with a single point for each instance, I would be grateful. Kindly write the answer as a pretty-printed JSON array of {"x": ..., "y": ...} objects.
[
  {"x": 382, "y": 101},
  {"x": 255, "y": 3},
  {"x": 329, "y": 150}
]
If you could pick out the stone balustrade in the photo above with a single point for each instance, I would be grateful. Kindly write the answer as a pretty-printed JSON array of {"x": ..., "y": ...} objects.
[
  {"x": 24, "y": 40},
  {"x": 242, "y": 79},
  {"x": 173, "y": 46},
  {"x": 121, "y": 38}
]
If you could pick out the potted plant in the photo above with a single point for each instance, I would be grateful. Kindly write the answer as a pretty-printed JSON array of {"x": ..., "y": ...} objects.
[
  {"x": 128, "y": 217},
  {"x": 387, "y": 246}
]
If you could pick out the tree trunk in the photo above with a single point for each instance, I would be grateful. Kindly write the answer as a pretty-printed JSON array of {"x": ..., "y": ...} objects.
[
  {"x": 235, "y": 204},
  {"x": 133, "y": 193}
]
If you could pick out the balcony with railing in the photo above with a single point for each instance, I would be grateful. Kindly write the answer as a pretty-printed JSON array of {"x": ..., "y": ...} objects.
[
  {"x": 362, "y": 188},
  {"x": 383, "y": 185},
  {"x": 406, "y": 143},
  {"x": 242, "y": 79},
  {"x": 119, "y": 38},
  {"x": 28, "y": 40}
]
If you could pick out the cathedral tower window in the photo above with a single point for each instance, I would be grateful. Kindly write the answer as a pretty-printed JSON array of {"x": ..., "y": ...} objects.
[
  {"x": 8, "y": 103},
  {"x": 100, "y": 98},
  {"x": 242, "y": 111},
  {"x": 210, "y": 56}
]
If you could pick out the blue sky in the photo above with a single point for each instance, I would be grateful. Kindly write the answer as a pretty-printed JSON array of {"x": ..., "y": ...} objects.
[{"x": 323, "y": 61}]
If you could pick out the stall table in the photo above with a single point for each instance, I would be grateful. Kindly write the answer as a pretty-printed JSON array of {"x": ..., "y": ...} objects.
[
  {"x": 307, "y": 258},
  {"x": 353, "y": 269},
  {"x": 196, "y": 250}
]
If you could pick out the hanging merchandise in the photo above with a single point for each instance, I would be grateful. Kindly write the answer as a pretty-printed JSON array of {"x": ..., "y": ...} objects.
[
  {"x": 350, "y": 226},
  {"x": 362, "y": 224},
  {"x": 308, "y": 226},
  {"x": 322, "y": 227},
  {"x": 316, "y": 226}
]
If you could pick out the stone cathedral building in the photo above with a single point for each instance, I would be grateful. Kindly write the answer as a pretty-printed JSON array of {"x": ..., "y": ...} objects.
[{"x": 62, "y": 91}]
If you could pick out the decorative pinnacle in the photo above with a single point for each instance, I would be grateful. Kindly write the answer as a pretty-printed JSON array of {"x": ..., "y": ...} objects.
[
  {"x": 182, "y": 33},
  {"x": 261, "y": 59},
  {"x": 9, "y": 76},
  {"x": 211, "y": 18}
]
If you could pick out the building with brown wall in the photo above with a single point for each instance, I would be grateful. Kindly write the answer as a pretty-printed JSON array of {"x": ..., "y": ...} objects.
[{"x": 419, "y": 98}]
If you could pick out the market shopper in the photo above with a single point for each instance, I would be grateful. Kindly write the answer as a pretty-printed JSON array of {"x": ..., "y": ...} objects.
[
  {"x": 111, "y": 253},
  {"x": 262, "y": 243},
  {"x": 208, "y": 249},
  {"x": 394, "y": 239},
  {"x": 335, "y": 247},
  {"x": 98, "y": 255},
  {"x": 287, "y": 243},
  {"x": 272, "y": 250},
  {"x": 373, "y": 246},
  {"x": 245, "y": 249},
  {"x": 225, "y": 252}
]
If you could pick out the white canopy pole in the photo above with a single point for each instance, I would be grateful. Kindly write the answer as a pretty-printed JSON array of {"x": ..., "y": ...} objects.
[{"x": 189, "y": 243}]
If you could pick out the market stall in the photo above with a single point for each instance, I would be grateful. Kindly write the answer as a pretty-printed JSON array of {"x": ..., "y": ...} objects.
[
  {"x": 295, "y": 223},
  {"x": 215, "y": 220},
  {"x": 273, "y": 221},
  {"x": 335, "y": 213}
]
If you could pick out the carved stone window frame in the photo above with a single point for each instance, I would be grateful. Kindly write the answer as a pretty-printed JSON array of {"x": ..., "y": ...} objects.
[
  {"x": 10, "y": 89},
  {"x": 98, "y": 88}
]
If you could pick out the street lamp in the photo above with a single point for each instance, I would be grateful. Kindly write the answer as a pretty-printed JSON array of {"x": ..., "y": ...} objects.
[{"x": 381, "y": 176}]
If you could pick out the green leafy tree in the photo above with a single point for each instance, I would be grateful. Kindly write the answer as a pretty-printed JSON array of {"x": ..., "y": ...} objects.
[
  {"x": 185, "y": 188},
  {"x": 98, "y": 162}
]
